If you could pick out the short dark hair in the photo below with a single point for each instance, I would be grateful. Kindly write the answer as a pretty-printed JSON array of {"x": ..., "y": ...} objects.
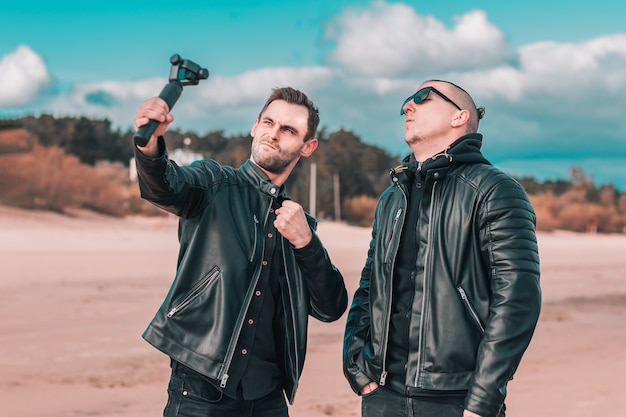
[
  {"x": 293, "y": 96},
  {"x": 477, "y": 112}
]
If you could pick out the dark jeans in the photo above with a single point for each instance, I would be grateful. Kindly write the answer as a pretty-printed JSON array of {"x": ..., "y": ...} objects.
[
  {"x": 384, "y": 403},
  {"x": 191, "y": 395}
]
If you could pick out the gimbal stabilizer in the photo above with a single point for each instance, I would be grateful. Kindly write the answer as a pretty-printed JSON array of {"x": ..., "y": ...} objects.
[{"x": 183, "y": 72}]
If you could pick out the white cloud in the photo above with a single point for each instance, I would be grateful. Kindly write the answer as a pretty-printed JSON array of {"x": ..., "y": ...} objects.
[
  {"x": 217, "y": 103},
  {"x": 547, "y": 99},
  {"x": 392, "y": 39},
  {"x": 113, "y": 100},
  {"x": 552, "y": 101},
  {"x": 23, "y": 75},
  {"x": 256, "y": 84},
  {"x": 578, "y": 73},
  {"x": 562, "y": 99},
  {"x": 575, "y": 70}
]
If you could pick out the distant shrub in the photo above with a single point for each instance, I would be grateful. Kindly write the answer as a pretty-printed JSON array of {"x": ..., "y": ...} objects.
[
  {"x": 546, "y": 211},
  {"x": 359, "y": 210},
  {"x": 48, "y": 179},
  {"x": 57, "y": 164},
  {"x": 572, "y": 211}
]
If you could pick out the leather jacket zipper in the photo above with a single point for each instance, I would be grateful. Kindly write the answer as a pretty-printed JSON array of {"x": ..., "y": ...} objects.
[
  {"x": 471, "y": 309},
  {"x": 425, "y": 288},
  {"x": 393, "y": 231},
  {"x": 194, "y": 292},
  {"x": 231, "y": 348},
  {"x": 293, "y": 320},
  {"x": 256, "y": 234},
  {"x": 396, "y": 224}
]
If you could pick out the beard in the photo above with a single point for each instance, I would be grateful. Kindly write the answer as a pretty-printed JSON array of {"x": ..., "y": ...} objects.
[
  {"x": 414, "y": 137},
  {"x": 272, "y": 159}
]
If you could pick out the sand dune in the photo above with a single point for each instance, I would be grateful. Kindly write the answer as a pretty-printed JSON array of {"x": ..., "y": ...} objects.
[{"x": 76, "y": 293}]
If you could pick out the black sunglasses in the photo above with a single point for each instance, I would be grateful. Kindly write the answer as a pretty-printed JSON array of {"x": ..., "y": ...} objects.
[{"x": 421, "y": 95}]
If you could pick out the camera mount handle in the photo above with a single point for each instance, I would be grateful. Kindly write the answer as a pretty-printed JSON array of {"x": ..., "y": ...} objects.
[{"x": 183, "y": 72}]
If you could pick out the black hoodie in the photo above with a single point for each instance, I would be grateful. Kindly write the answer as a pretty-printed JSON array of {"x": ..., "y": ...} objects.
[{"x": 405, "y": 287}]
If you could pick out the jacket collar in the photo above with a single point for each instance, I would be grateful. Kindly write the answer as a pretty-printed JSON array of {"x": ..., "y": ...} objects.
[
  {"x": 464, "y": 150},
  {"x": 255, "y": 176}
]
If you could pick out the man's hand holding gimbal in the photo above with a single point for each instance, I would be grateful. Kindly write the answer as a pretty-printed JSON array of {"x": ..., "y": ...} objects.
[{"x": 154, "y": 108}]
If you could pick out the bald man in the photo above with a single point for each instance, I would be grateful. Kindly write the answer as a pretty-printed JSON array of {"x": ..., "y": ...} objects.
[{"x": 449, "y": 296}]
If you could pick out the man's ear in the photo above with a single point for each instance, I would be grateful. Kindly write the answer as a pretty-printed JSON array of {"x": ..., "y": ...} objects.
[
  {"x": 254, "y": 125},
  {"x": 309, "y": 147},
  {"x": 461, "y": 118}
]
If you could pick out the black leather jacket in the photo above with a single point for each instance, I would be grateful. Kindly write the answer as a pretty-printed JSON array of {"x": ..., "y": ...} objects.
[
  {"x": 222, "y": 213},
  {"x": 481, "y": 295}
]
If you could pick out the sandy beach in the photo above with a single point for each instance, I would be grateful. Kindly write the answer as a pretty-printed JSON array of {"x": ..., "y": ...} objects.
[{"x": 77, "y": 292}]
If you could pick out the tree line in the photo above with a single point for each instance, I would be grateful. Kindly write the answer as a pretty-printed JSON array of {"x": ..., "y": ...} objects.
[{"x": 61, "y": 163}]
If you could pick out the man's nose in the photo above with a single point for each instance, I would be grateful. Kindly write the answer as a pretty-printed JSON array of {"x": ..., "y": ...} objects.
[{"x": 409, "y": 107}]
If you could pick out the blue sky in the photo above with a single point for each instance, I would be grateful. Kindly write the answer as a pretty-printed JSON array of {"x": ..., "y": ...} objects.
[{"x": 552, "y": 75}]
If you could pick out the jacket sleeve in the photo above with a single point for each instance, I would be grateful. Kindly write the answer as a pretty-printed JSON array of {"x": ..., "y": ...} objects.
[
  {"x": 325, "y": 284},
  {"x": 509, "y": 244},
  {"x": 358, "y": 324},
  {"x": 179, "y": 190}
]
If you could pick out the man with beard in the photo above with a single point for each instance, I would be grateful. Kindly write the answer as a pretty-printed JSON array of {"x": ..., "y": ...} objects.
[{"x": 250, "y": 270}]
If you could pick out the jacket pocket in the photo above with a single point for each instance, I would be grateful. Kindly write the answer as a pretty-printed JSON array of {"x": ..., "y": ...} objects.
[
  {"x": 255, "y": 227},
  {"x": 195, "y": 291},
  {"x": 471, "y": 310},
  {"x": 390, "y": 238}
]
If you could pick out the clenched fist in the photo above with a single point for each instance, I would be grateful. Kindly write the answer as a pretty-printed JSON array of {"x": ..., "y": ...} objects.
[{"x": 291, "y": 223}]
